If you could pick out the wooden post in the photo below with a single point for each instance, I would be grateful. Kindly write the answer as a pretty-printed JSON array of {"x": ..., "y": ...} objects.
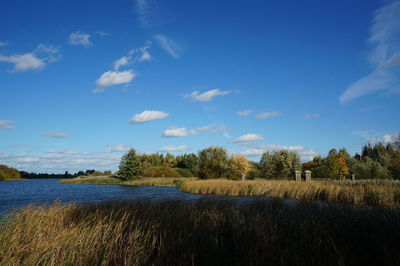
[{"x": 353, "y": 177}]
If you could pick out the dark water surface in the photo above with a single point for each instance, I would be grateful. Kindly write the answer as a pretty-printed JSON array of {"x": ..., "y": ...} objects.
[{"x": 16, "y": 194}]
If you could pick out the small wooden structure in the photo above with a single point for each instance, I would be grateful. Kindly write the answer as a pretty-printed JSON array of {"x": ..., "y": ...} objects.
[{"x": 308, "y": 175}]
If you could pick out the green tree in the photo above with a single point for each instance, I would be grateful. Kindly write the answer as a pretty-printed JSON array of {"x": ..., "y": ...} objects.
[
  {"x": 279, "y": 164},
  {"x": 190, "y": 162},
  {"x": 129, "y": 167},
  {"x": 214, "y": 162}
]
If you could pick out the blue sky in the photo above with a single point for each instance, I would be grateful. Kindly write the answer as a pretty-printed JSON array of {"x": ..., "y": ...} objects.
[{"x": 81, "y": 82}]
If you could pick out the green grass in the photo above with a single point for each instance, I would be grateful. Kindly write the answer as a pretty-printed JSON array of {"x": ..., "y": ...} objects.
[
  {"x": 95, "y": 180},
  {"x": 206, "y": 232},
  {"x": 370, "y": 192},
  {"x": 107, "y": 180}
]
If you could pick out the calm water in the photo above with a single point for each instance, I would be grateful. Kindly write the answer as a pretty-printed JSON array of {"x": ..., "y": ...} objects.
[{"x": 15, "y": 194}]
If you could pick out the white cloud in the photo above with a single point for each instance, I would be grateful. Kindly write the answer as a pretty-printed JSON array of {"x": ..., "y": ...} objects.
[
  {"x": 172, "y": 148},
  {"x": 117, "y": 148},
  {"x": 178, "y": 132},
  {"x": 207, "y": 95},
  {"x": 148, "y": 115},
  {"x": 248, "y": 138},
  {"x": 36, "y": 60},
  {"x": 80, "y": 38},
  {"x": 111, "y": 78},
  {"x": 258, "y": 150},
  {"x": 385, "y": 139},
  {"x": 183, "y": 131},
  {"x": 28, "y": 160},
  {"x": 7, "y": 124},
  {"x": 56, "y": 134},
  {"x": 385, "y": 57},
  {"x": 245, "y": 112},
  {"x": 310, "y": 116},
  {"x": 123, "y": 61},
  {"x": 168, "y": 45},
  {"x": 142, "y": 53},
  {"x": 265, "y": 115},
  {"x": 3, "y": 43}
]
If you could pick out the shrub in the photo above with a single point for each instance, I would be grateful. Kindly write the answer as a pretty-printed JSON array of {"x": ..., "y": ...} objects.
[
  {"x": 184, "y": 172},
  {"x": 160, "y": 171}
]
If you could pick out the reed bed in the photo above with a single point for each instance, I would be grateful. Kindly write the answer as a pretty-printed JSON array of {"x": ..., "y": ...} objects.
[
  {"x": 205, "y": 232},
  {"x": 155, "y": 181},
  {"x": 357, "y": 193}
]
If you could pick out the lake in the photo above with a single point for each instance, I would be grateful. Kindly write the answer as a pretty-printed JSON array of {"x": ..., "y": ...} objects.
[{"x": 16, "y": 194}]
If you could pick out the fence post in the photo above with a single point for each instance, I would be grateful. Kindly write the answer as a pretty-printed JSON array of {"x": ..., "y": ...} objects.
[{"x": 353, "y": 177}]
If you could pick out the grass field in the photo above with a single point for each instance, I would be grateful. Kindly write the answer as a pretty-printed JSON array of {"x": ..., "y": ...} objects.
[
  {"x": 206, "y": 232},
  {"x": 369, "y": 192}
]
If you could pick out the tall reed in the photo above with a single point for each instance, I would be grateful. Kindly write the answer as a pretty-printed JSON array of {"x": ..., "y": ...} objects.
[
  {"x": 359, "y": 193},
  {"x": 205, "y": 232}
]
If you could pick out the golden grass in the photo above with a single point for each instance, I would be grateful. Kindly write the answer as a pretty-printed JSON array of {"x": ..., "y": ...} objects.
[
  {"x": 206, "y": 232},
  {"x": 358, "y": 193}
]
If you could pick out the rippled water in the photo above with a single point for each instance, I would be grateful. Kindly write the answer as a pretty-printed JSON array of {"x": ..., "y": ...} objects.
[{"x": 15, "y": 194}]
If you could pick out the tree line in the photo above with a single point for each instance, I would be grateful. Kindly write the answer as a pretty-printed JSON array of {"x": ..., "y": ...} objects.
[
  {"x": 376, "y": 161},
  {"x": 212, "y": 162}
]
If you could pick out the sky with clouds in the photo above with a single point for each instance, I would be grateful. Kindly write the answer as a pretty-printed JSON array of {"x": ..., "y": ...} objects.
[{"x": 81, "y": 82}]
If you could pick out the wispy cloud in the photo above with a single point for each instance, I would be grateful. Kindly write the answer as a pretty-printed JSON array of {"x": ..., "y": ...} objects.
[
  {"x": 265, "y": 115},
  {"x": 111, "y": 78},
  {"x": 148, "y": 115},
  {"x": 172, "y": 148},
  {"x": 56, "y": 134},
  {"x": 248, "y": 138},
  {"x": 143, "y": 12},
  {"x": 36, "y": 60},
  {"x": 385, "y": 56},
  {"x": 102, "y": 33},
  {"x": 7, "y": 124},
  {"x": 3, "y": 43},
  {"x": 374, "y": 136},
  {"x": 80, "y": 38},
  {"x": 117, "y": 148},
  {"x": 245, "y": 112},
  {"x": 178, "y": 132},
  {"x": 258, "y": 150},
  {"x": 168, "y": 45},
  {"x": 183, "y": 131},
  {"x": 207, "y": 95},
  {"x": 310, "y": 116}
]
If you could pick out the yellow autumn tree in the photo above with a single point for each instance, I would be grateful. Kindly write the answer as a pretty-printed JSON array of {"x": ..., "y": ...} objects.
[{"x": 238, "y": 167}]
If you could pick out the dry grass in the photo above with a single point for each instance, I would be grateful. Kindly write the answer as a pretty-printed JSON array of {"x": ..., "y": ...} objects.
[
  {"x": 358, "y": 193},
  {"x": 206, "y": 232}
]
